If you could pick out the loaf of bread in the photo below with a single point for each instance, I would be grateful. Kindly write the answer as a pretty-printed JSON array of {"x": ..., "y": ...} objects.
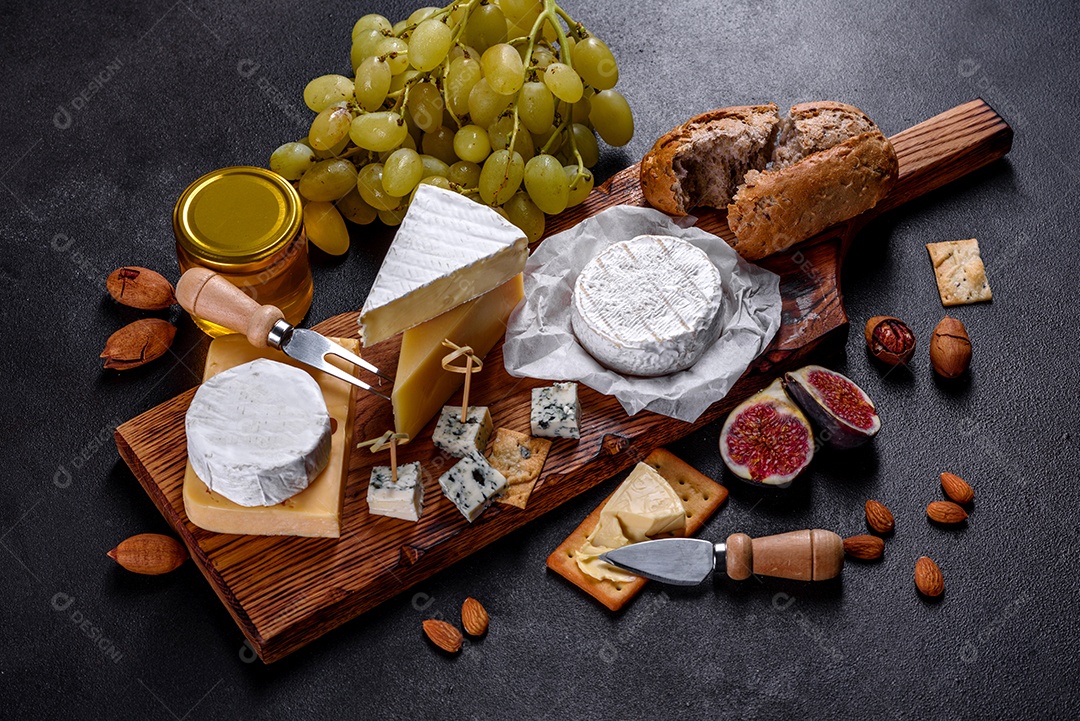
[{"x": 782, "y": 181}]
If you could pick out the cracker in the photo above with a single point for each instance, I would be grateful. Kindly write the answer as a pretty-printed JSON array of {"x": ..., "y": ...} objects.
[
  {"x": 520, "y": 458},
  {"x": 961, "y": 276},
  {"x": 700, "y": 495}
]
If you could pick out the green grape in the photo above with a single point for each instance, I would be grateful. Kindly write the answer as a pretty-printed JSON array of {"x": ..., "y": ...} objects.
[
  {"x": 464, "y": 173},
  {"x": 373, "y": 79},
  {"x": 563, "y": 82},
  {"x": 546, "y": 184},
  {"x": 393, "y": 217},
  {"x": 541, "y": 57},
  {"x": 523, "y": 213},
  {"x": 325, "y": 227},
  {"x": 402, "y": 171},
  {"x": 292, "y": 160},
  {"x": 324, "y": 91},
  {"x": 399, "y": 27},
  {"x": 471, "y": 143},
  {"x": 440, "y": 143},
  {"x": 580, "y": 110},
  {"x": 396, "y": 53},
  {"x": 369, "y": 184},
  {"x": 594, "y": 61},
  {"x": 500, "y": 132},
  {"x": 407, "y": 143},
  {"x": 501, "y": 177},
  {"x": 328, "y": 180},
  {"x": 378, "y": 131},
  {"x": 400, "y": 79},
  {"x": 463, "y": 74},
  {"x": 433, "y": 167},
  {"x": 438, "y": 181},
  {"x": 611, "y": 116},
  {"x": 332, "y": 152},
  {"x": 536, "y": 107},
  {"x": 429, "y": 44},
  {"x": 329, "y": 127},
  {"x": 425, "y": 106},
  {"x": 463, "y": 51},
  {"x": 586, "y": 144},
  {"x": 503, "y": 69},
  {"x": 515, "y": 10},
  {"x": 580, "y": 185},
  {"x": 485, "y": 105},
  {"x": 486, "y": 27},
  {"x": 541, "y": 139},
  {"x": 364, "y": 45},
  {"x": 421, "y": 14},
  {"x": 354, "y": 208},
  {"x": 373, "y": 21}
]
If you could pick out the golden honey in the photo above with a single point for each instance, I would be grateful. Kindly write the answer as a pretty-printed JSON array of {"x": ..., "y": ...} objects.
[{"x": 245, "y": 223}]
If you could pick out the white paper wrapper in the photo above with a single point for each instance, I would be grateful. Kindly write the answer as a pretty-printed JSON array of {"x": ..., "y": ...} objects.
[{"x": 540, "y": 342}]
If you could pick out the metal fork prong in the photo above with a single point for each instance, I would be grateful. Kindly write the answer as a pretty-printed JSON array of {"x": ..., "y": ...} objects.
[
  {"x": 333, "y": 370},
  {"x": 345, "y": 354}
]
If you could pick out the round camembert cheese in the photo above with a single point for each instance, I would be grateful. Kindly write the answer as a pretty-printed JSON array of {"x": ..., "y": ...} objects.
[
  {"x": 258, "y": 433},
  {"x": 648, "y": 306}
]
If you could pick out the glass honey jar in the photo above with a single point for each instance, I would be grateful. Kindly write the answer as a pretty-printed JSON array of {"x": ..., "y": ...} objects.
[{"x": 245, "y": 223}]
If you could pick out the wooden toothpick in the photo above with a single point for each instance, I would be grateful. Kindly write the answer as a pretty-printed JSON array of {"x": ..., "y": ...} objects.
[
  {"x": 387, "y": 439},
  {"x": 473, "y": 364}
]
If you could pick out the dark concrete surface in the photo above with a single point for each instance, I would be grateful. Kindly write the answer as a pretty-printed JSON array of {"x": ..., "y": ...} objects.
[{"x": 109, "y": 110}]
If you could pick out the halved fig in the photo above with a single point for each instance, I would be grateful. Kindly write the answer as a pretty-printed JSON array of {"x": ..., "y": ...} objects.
[
  {"x": 766, "y": 439},
  {"x": 844, "y": 413}
]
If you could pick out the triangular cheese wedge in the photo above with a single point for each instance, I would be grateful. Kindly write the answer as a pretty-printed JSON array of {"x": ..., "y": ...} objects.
[{"x": 448, "y": 250}]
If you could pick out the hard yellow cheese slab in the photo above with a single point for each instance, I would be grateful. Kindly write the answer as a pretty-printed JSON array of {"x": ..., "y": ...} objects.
[
  {"x": 315, "y": 511},
  {"x": 421, "y": 386}
]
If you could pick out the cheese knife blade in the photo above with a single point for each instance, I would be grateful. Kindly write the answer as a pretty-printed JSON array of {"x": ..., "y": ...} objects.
[
  {"x": 205, "y": 294},
  {"x": 676, "y": 561}
]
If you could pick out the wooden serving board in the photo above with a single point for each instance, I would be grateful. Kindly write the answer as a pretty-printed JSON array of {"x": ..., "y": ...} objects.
[{"x": 285, "y": 592}]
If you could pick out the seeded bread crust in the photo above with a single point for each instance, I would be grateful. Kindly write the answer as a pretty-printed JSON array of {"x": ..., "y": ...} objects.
[
  {"x": 775, "y": 209},
  {"x": 703, "y": 161},
  {"x": 813, "y": 127}
]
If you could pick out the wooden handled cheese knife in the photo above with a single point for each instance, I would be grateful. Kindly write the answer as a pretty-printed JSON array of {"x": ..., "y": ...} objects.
[
  {"x": 207, "y": 295},
  {"x": 809, "y": 555}
]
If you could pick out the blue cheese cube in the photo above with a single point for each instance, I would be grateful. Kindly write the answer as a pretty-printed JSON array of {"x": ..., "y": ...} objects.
[
  {"x": 472, "y": 484},
  {"x": 404, "y": 499},
  {"x": 556, "y": 411},
  {"x": 457, "y": 438}
]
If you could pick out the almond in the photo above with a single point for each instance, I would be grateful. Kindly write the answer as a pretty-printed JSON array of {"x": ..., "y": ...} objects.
[
  {"x": 443, "y": 635},
  {"x": 878, "y": 517},
  {"x": 140, "y": 288},
  {"x": 150, "y": 554},
  {"x": 474, "y": 617},
  {"x": 928, "y": 578},
  {"x": 957, "y": 488},
  {"x": 138, "y": 343},
  {"x": 946, "y": 512},
  {"x": 864, "y": 548}
]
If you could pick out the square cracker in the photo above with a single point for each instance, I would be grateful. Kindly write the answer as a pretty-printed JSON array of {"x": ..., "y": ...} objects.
[
  {"x": 520, "y": 458},
  {"x": 700, "y": 495},
  {"x": 961, "y": 276}
]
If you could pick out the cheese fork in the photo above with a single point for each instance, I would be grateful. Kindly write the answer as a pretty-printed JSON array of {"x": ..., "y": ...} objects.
[{"x": 205, "y": 294}]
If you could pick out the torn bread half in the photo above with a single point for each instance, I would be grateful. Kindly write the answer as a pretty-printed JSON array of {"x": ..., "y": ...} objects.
[
  {"x": 703, "y": 161},
  {"x": 825, "y": 163}
]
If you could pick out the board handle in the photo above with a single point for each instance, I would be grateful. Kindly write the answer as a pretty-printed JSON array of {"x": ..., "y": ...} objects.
[
  {"x": 206, "y": 295},
  {"x": 808, "y": 555}
]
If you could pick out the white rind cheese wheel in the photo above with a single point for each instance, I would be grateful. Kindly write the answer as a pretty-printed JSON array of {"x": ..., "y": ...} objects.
[
  {"x": 648, "y": 306},
  {"x": 258, "y": 433}
]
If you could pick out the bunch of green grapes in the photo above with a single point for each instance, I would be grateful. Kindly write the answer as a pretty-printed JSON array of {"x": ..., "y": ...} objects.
[{"x": 500, "y": 100}]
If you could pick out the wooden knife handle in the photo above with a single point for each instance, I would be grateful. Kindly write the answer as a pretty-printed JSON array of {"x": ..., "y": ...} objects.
[
  {"x": 207, "y": 295},
  {"x": 808, "y": 555}
]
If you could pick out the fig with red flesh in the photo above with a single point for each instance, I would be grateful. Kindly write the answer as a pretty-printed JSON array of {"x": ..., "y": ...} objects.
[
  {"x": 844, "y": 413},
  {"x": 766, "y": 439}
]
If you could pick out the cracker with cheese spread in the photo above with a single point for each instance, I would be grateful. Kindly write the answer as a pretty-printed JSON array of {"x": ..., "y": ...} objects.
[
  {"x": 961, "y": 276},
  {"x": 520, "y": 458},
  {"x": 701, "y": 496}
]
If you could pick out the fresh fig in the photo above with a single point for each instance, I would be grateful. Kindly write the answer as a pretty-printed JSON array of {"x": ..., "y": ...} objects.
[
  {"x": 766, "y": 439},
  {"x": 844, "y": 413}
]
